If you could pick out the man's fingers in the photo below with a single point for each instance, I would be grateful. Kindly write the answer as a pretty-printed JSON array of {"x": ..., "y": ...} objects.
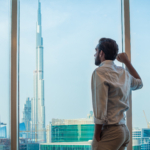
[{"x": 118, "y": 58}]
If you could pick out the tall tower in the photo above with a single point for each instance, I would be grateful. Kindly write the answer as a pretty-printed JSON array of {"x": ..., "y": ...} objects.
[
  {"x": 38, "y": 106},
  {"x": 27, "y": 115}
]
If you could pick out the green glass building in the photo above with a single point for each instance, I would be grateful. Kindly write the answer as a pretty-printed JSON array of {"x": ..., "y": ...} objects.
[
  {"x": 70, "y": 137},
  {"x": 72, "y": 133},
  {"x": 66, "y": 146},
  {"x": 29, "y": 146},
  {"x": 136, "y": 147}
]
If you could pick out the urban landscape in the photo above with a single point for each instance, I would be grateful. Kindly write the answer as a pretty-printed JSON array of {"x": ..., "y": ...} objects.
[{"x": 59, "y": 134}]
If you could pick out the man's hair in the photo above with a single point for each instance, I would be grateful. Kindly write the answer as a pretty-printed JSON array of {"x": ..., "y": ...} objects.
[{"x": 109, "y": 47}]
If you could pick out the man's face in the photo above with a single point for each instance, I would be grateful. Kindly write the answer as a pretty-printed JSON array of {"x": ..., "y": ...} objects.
[{"x": 97, "y": 58}]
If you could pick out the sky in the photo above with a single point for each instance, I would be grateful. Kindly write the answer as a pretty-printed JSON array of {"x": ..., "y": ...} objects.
[
  {"x": 71, "y": 30},
  {"x": 5, "y": 62},
  {"x": 140, "y": 53}
]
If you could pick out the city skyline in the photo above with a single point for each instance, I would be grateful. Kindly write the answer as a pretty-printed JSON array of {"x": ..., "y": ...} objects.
[
  {"x": 57, "y": 17},
  {"x": 62, "y": 28},
  {"x": 71, "y": 30},
  {"x": 62, "y": 74}
]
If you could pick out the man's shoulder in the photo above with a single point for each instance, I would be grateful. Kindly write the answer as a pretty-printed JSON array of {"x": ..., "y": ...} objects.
[
  {"x": 104, "y": 69},
  {"x": 99, "y": 71},
  {"x": 98, "y": 75},
  {"x": 119, "y": 67},
  {"x": 122, "y": 69}
]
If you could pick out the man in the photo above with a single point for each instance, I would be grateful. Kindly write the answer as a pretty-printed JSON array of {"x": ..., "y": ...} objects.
[{"x": 111, "y": 86}]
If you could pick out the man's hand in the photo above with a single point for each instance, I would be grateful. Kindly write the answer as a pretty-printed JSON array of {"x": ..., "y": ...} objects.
[
  {"x": 97, "y": 137},
  {"x": 122, "y": 57},
  {"x": 98, "y": 128}
]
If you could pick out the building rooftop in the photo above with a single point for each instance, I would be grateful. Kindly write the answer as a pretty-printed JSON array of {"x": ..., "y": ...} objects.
[{"x": 88, "y": 120}]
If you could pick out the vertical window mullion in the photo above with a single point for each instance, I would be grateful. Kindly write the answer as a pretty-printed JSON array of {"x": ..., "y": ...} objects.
[
  {"x": 127, "y": 45},
  {"x": 14, "y": 75}
]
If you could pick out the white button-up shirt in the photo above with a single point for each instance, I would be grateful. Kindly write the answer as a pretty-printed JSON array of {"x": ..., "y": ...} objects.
[{"x": 111, "y": 86}]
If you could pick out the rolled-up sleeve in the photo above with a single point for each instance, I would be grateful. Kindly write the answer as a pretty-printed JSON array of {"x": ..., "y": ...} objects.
[
  {"x": 99, "y": 97},
  {"x": 136, "y": 83}
]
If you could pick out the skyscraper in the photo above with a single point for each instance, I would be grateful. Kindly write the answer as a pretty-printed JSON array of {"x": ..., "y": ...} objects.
[
  {"x": 38, "y": 106},
  {"x": 72, "y": 130},
  {"x": 27, "y": 115}
]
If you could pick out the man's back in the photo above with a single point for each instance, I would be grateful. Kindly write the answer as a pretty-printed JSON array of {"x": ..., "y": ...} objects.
[{"x": 111, "y": 86}]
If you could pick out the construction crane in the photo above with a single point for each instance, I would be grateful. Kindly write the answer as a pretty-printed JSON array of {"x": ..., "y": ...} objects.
[{"x": 148, "y": 125}]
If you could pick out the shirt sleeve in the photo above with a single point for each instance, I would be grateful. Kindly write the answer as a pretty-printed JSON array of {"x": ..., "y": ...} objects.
[
  {"x": 136, "y": 83},
  {"x": 99, "y": 97}
]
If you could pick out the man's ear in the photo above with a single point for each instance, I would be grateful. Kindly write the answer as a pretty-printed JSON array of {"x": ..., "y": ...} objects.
[{"x": 101, "y": 53}]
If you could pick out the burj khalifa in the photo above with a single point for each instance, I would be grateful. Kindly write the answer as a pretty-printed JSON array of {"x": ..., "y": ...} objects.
[{"x": 37, "y": 104}]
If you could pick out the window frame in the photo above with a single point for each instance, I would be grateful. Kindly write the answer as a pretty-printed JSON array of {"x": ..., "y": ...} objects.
[
  {"x": 14, "y": 74},
  {"x": 127, "y": 46},
  {"x": 14, "y": 84}
]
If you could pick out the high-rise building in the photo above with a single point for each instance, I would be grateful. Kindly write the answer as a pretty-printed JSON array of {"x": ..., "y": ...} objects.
[
  {"x": 27, "y": 116},
  {"x": 71, "y": 134},
  {"x": 141, "y": 139},
  {"x": 48, "y": 133},
  {"x": 136, "y": 138},
  {"x": 38, "y": 106},
  {"x": 22, "y": 130},
  {"x": 72, "y": 130},
  {"x": 3, "y": 132}
]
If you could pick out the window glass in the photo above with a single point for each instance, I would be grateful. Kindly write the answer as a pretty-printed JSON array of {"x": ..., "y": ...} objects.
[
  {"x": 140, "y": 35},
  {"x": 5, "y": 76},
  {"x": 57, "y": 47}
]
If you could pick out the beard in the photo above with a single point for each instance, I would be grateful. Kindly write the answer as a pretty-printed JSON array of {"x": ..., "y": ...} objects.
[{"x": 97, "y": 61}]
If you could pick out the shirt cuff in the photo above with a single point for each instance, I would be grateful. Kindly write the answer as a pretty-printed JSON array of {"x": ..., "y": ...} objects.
[
  {"x": 141, "y": 84},
  {"x": 98, "y": 121}
]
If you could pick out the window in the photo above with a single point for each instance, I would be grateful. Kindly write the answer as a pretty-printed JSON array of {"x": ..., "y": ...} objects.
[
  {"x": 4, "y": 76},
  {"x": 57, "y": 45},
  {"x": 140, "y": 34},
  {"x": 57, "y": 41}
]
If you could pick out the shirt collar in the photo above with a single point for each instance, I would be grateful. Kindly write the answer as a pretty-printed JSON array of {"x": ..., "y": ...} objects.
[{"x": 107, "y": 62}]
